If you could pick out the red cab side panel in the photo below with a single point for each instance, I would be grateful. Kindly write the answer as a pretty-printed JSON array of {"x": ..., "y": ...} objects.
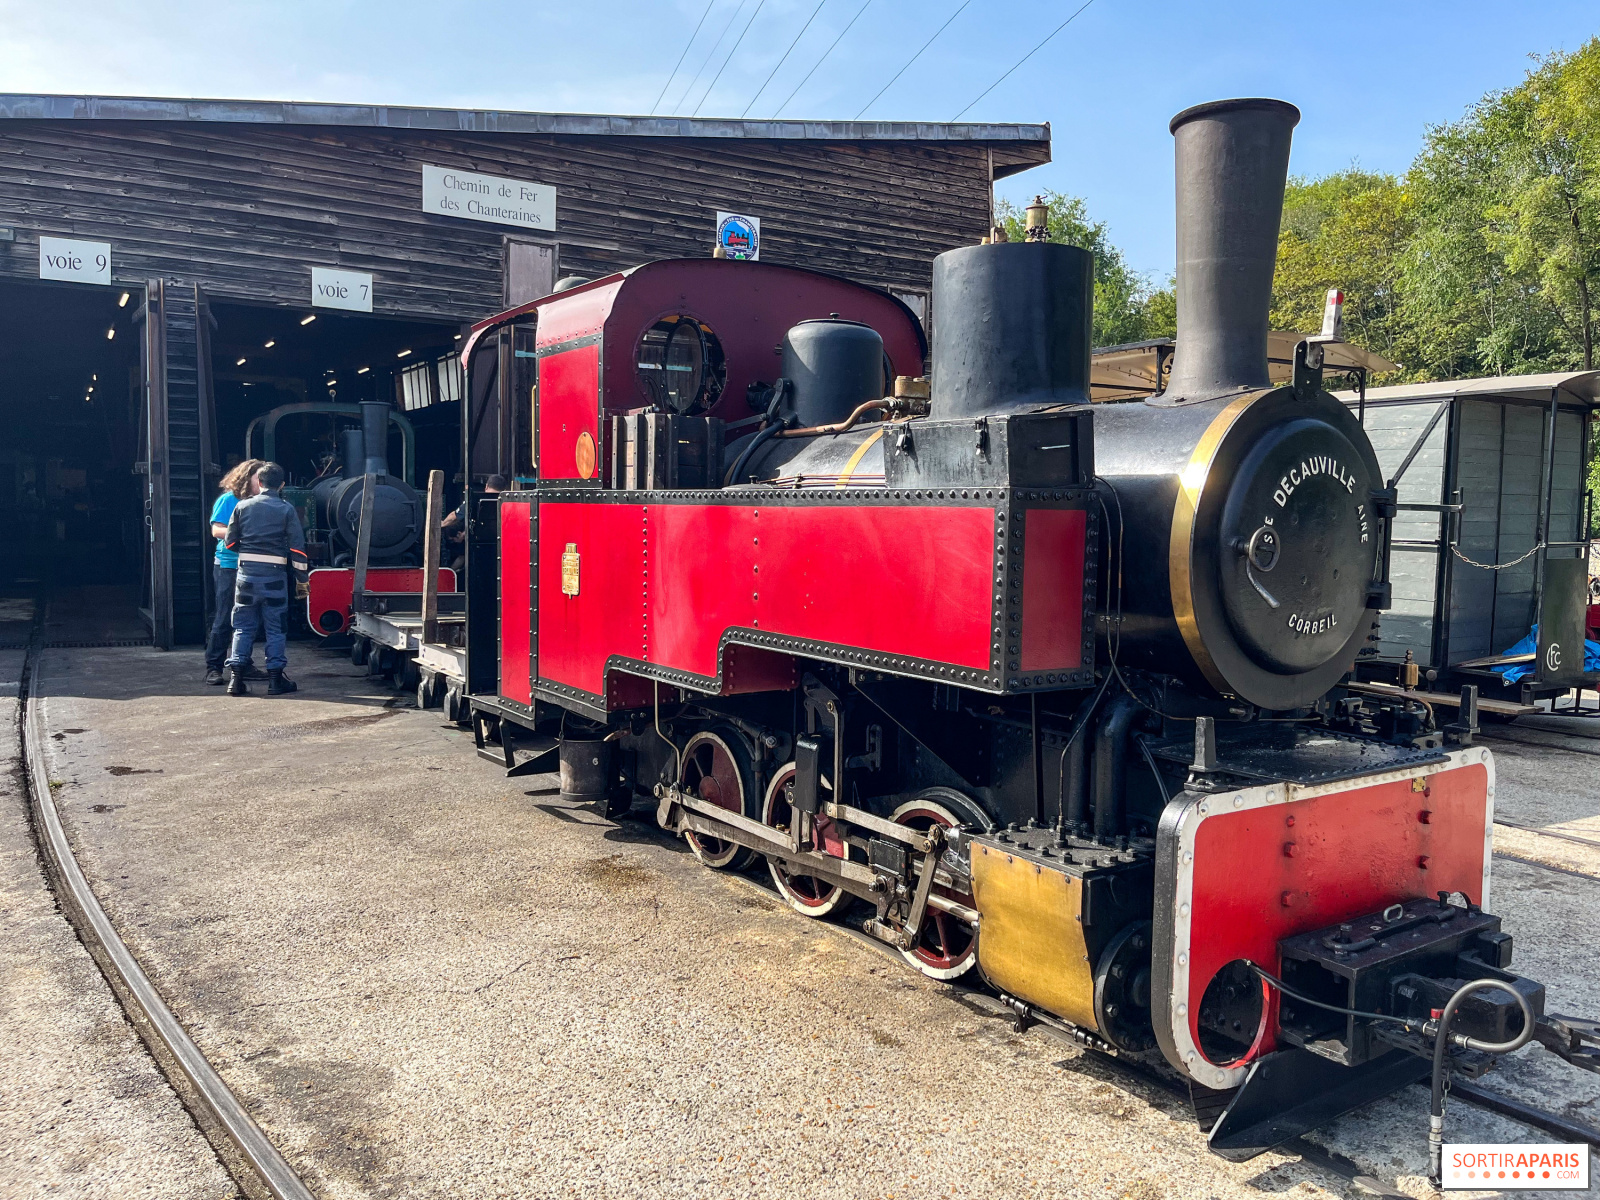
[
  {"x": 569, "y": 413},
  {"x": 897, "y": 580},
  {"x": 516, "y": 601},
  {"x": 603, "y": 545},
  {"x": 662, "y": 583},
  {"x": 1054, "y": 541}
]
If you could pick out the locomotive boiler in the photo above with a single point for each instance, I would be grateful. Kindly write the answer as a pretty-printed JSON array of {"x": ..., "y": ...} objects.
[{"x": 1042, "y": 690}]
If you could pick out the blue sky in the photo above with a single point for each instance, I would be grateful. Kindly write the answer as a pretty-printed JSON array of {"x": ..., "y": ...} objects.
[{"x": 1369, "y": 77}]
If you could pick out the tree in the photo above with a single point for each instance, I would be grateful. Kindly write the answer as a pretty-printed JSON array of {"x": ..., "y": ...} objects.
[
  {"x": 1126, "y": 307},
  {"x": 1345, "y": 231},
  {"x": 1503, "y": 274}
]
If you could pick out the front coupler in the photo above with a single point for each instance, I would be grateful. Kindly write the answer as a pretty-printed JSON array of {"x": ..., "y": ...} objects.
[{"x": 1359, "y": 1014}]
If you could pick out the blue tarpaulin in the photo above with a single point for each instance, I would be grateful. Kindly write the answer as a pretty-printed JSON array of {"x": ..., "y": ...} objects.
[{"x": 1516, "y": 672}]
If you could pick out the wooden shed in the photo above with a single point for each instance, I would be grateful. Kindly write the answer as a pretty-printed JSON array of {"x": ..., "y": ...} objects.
[{"x": 171, "y": 269}]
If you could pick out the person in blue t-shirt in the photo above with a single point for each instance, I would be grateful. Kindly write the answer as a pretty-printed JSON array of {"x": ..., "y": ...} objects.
[{"x": 236, "y": 485}]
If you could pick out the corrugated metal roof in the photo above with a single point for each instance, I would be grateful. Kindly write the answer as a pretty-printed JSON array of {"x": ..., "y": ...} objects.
[
  {"x": 19, "y": 107},
  {"x": 1578, "y": 385}
]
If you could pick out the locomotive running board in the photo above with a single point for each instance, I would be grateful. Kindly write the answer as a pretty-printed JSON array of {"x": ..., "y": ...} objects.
[{"x": 1271, "y": 1106}]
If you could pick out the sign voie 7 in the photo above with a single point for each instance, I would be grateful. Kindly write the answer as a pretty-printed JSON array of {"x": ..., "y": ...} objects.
[
  {"x": 332, "y": 288},
  {"x": 449, "y": 192},
  {"x": 77, "y": 262}
]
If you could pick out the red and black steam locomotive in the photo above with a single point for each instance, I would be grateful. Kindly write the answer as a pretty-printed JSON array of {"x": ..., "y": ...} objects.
[{"x": 1047, "y": 691}]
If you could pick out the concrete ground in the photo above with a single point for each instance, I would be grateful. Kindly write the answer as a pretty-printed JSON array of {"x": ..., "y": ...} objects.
[
  {"x": 83, "y": 1109},
  {"x": 425, "y": 979}
]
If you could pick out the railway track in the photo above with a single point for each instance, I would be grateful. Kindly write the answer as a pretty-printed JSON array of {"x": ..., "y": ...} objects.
[
  {"x": 261, "y": 1171},
  {"x": 245, "y": 1151}
]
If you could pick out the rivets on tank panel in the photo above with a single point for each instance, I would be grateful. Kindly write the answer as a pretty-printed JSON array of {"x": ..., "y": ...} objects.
[
  {"x": 1183, "y": 960},
  {"x": 1188, "y": 856},
  {"x": 1288, "y": 849},
  {"x": 1289, "y": 821},
  {"x": 1183, "y": 1011},
  {"x": 1287, "y": 899},
  {"x": 1205, "y": 807},
  {"x": 1238, "y": 801},
  {"x": 1183, "y": 909},
  {"x": 1422, "y": 862}
]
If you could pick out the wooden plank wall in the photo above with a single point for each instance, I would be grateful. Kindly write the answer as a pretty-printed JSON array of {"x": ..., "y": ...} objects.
[{"x": 247, "y": 210}]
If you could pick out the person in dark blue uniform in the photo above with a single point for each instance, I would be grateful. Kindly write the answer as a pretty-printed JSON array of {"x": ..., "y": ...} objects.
[
  {"x": 238, "y": 484},
  {"x": 265, "y": 532}
]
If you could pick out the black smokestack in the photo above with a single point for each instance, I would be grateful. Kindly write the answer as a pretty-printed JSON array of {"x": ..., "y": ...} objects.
[
  {"x": 375, "y": 433},
  {"x": 1232, "y": 165}
]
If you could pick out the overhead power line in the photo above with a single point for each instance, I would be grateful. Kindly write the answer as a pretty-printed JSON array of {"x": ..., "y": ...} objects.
[
  {"x": 914, "y": 58},
  {"x": 1023, "y": 59},
  {"x": 820, "y": 61},
  {"x": 734, "y": 16},
  {"x": 710, "y": 4},
  {"x": 729, "y": 59},
  {"x": 784, "y": 59}
]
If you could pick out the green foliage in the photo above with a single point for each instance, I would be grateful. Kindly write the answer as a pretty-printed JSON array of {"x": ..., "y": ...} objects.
[
  {"x": 1594, "y": 477},
  {"x": 1503, "y": 275},
  {"x": 1126, "y": 307},
  {"x": 1345, "y": 230}
]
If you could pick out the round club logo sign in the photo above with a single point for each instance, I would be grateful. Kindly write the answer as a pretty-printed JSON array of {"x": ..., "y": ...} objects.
[{"x": 739, "y": 236}]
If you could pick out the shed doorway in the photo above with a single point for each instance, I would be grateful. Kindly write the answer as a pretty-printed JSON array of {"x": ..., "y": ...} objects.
[{"x": 73, "y": 527}]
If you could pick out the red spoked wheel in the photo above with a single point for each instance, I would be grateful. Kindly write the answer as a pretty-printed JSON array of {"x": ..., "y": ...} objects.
[
  {"x": 714, "y": 770},
  {"x": 947, "y": 946},
  {"x": 806, "y": 894}
]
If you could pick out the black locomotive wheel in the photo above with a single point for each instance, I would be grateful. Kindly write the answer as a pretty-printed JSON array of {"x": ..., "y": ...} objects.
[
  {"x": 807, "y": 895},
  {"x": 715, "y": 768},
  {"x": 1122, "y": 989},
  {"x": 358, "y": 650},
  {"x": 947, "y": 946}
]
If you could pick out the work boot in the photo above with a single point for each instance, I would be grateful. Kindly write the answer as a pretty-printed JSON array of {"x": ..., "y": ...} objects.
[
  {"x": 236, "y": 684},
  {"x": 279, "y": 684},
  {"x": 251, "y": 671},
  {"x": 214, "y": 676}
]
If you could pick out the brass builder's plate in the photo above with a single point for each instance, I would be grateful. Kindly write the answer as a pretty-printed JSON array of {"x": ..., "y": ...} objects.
[{"x": 569, "y": 570}]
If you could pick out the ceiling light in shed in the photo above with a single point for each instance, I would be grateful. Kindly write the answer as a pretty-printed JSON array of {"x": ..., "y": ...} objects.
[
  {"x": 308, "y": 320},
  {"x": 363, "y": 370},
  {"x": 240, "y": 363},
  {"x": 270, "y": 343},
  {"x": 123, "y": 302},
  {"x": 402, "y": 354},
  {"x": 110, "y": 333}
]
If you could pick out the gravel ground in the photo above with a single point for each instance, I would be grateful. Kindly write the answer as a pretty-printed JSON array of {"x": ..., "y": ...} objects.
[
  {"x": 425, "y": 979},
  {"x": 83, "y": 1110}
]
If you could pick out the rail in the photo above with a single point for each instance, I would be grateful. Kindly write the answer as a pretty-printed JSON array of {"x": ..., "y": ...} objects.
[{"x": 132, "y": 986}]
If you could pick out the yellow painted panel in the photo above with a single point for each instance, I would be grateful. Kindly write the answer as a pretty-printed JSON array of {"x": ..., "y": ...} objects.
[{"x": 1030, "y": 941}]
